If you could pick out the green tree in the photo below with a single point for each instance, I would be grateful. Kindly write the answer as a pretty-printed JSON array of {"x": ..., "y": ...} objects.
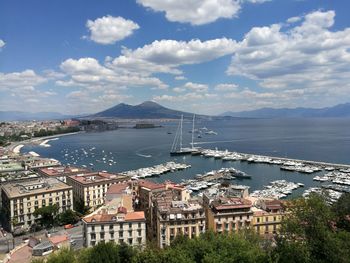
[
  {"x": 68, "y": 217},
  {"x": 308, "y": 233},
  {"x": 342, "y": 210},
  {"x": 47, "y": 215}
]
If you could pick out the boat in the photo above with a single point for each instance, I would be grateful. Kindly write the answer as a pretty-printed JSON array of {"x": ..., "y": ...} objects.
[{"x": 177, "y": 148}]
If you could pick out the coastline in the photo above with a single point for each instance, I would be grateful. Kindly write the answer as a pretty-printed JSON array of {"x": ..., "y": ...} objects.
[{"x": 15, "y": 147}]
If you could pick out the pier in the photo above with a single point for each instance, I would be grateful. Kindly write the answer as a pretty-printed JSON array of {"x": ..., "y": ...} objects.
[{"x": 237, "y": 156}]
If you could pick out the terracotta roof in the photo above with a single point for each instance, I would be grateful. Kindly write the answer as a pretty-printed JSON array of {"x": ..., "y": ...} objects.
[
  {"x": 96, "y": 177},
  {"x": 62, "y": 170},
  {"x": 58, "y": 239},
  {"x": 150, "y": 185},
  {"x": 131, "y": 216},
  {"x": 140, "y": 215},
  {"x": 117, "y": 188},
  {"x": 224, "y": 203}
]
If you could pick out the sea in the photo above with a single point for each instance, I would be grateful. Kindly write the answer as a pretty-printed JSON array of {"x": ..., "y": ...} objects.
[{"x": 319, "y": 139}]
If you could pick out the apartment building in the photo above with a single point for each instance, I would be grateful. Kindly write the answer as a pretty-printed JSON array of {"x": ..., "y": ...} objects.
[
  {"x": 144, "y": 200},
  {"x": 90, "y": 188},
  {"x": 173, "y": 216},
  {"x": 21, "y": 198},
  {"x": 268, "y": 217},
  {"x": 227, "y": 213},
  {"x": 115, "y": 225}
]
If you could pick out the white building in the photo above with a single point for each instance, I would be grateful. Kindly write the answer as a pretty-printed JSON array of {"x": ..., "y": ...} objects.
[{"x": 115, "y": 225}]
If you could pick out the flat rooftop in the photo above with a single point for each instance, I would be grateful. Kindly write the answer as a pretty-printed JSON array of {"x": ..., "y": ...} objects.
[
  {"x": 227, "y": 203},
  {"x": 62, "y": 171},
  {"x": 96, "y": 177},
  {"x": 33, "y": 187}
]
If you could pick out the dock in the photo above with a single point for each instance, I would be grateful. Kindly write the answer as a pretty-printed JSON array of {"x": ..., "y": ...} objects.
[{"x": 238, "y": 156}]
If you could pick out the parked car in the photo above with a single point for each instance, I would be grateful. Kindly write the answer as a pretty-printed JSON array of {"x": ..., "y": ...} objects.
[{"x": 68, "y": 226}]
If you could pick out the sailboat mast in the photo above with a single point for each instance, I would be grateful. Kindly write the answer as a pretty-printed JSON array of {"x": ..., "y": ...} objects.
[
  {"x": 193, "y": 130},
  {"x": 182, "y": 117}
]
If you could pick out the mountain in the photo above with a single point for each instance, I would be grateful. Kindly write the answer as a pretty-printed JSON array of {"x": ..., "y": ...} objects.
[
  {"x": 341, "y": 110},
  {"x": 145, "y": 110},
  {"x": 26, "y": 116}
]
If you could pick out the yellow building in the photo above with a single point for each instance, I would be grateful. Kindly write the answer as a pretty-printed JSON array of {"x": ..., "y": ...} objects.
[
  {"x": 227, "y": 213},
  {"x": 267, "y": 219}
]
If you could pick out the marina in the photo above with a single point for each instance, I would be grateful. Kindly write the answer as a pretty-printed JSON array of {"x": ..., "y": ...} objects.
[{"x": 156, "y": 170}]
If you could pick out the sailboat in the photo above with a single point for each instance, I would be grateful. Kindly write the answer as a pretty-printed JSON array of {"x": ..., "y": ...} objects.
[{"x": 176, "y": 148}]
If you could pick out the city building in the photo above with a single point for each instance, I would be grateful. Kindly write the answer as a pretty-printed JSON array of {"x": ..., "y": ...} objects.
[
  {"x": 229, "y": 214},
  {"x": 61, "y": 172},
  {"x": 173, "y": 216},
  {"x": 267, "y": 219},
  {"x": 90, "y": 188},
  {"x": 146, "y": 191},
  {"x": 115, "y": 225},
  {"x": 21, "y": 198}
]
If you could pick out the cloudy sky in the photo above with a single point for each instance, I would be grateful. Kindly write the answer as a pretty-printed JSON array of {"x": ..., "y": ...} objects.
[{"x": 205, "y": 56}]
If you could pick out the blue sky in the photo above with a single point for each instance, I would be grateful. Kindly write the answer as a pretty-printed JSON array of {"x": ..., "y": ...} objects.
[{"x": 205, "y": 56}]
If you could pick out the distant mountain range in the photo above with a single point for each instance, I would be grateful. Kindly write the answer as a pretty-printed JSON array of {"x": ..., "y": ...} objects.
[
  {"x": 341, "y": 110},
  {"x": 145, "y": 110},
  {"x": 27, "y": 116},
  {"x": 152, "y": 110}
]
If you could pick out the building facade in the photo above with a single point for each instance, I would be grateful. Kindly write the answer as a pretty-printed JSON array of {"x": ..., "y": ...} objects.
[
  {"x": 90, "y": 188},
  {"x": 173, "y": 216},
  {"x": 21, "y": 199},
  {"x": 267, "y": 219},
  {"x": 227, "y": 214},
  {"x": 118, "y": 226}
]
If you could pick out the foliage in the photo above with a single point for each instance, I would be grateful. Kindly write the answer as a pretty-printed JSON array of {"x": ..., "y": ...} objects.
[
  {"x": 47, "y": 215},
  {"x": 80, "y": 207},
  {"x": 342, "y": 211},
  {"x": 309, "y": 234},
  {"x": 67, "y": 217}
]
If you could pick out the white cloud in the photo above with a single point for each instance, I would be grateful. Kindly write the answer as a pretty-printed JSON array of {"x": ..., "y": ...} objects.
[
  {"x": 164, "y": 56},
  {"x": 196, "y": 12},
  {"x": 109, "y": 29},
  {"x": 308, "y": 57},
  {"x": 2, "y": 43},
  {"x": 190, "y": 96},
  {"x": 226, "y": 87},
  {"x": 180, "y": 77},
  {"x": 293, "y": 19},
  {"x": 88, "y": 72},
  {"x": 196, "y": 87},
  {"x": 16, "y": 80}
]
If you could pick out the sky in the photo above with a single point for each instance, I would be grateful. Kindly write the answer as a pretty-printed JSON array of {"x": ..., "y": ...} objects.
[{"x": 202, "y": 56}]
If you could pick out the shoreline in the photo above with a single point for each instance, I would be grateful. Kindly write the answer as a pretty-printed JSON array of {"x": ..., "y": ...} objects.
[{"x": 15, "y": 147}]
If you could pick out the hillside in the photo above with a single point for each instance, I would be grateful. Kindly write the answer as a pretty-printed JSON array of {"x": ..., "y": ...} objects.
[{"x": 340, "y": 110}]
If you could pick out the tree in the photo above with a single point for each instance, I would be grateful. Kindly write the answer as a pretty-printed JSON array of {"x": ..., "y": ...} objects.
[
  {"x": 309, "y": 233},
  {"x": 68, "y": 217},
  {"x": 342, "y": 210},
  {"x": 47, "y": 215}
]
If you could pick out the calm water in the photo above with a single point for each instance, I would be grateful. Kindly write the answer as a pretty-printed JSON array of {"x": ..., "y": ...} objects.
[{"x": 311, "y": 139}]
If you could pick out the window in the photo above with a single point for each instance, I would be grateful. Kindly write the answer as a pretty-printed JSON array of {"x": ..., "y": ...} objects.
[
  {"x": 258, "y": 219},
  {"x": 102, "y": 235},
  {"x": 139, "y": 225},
  {"x": 267, "y": 219},
  {"x": 139, "y": 232},
  {"x": 130, "y": 225}
]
